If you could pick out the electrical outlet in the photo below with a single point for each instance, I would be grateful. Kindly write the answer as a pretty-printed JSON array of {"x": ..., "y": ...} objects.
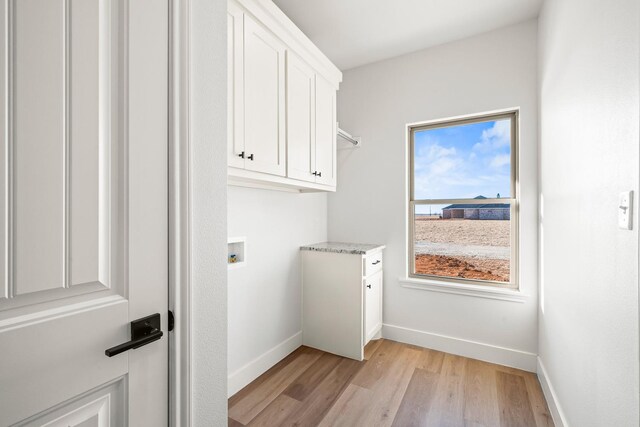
[{"x": 625, "y": 210}]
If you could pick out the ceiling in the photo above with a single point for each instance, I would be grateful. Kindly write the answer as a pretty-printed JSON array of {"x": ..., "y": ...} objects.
[{"x": 357, "y": 32}]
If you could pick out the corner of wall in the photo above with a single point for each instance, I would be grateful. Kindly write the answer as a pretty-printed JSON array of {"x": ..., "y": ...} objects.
[
  {"x": 252, "y": 370},
  {"x": 559, "y": 419}
]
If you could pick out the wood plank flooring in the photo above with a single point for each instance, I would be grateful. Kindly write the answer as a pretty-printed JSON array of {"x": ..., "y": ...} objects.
[{"x": 397, "y": 385}]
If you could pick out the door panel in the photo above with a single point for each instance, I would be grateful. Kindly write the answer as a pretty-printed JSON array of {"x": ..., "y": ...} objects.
[
  {"x": 102, "y": 407},
  {"x": 39, "y": 151},
  {"x": 373, "y": 304},
  {"x": 235, "y": 85},
  {"x": 83, "y": 207},
  {"x": 301, "y": 156},
  {"x": 88, "y": 147},
  {"x": 60, "y": 155},
  {"x": 264, "y": 106},
  {"x": 66, "y": 352},
  {"x": 325, "y": 132}
]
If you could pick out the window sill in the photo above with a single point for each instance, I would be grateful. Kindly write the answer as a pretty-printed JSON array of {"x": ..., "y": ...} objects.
[{"x": 478, "y": 291}]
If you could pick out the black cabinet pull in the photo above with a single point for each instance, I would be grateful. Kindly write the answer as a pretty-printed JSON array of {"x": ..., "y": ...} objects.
[
  {"x": 241, "y": 155},
  {"x": 377, "y": 262},
  {"x": 369, "y": 286},
  {"x": 250, "y": 157},
  {"x": 314, "y": 173},
  {"x": 143, "y": 332},
  {"x": 319, "y": 173}
]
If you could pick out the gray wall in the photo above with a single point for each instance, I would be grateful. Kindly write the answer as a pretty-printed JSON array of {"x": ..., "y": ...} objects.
[
  {"x": 589, "y": 83},
  {"x": 265, "y": 295},
  {"x": 488, "y": 72}
]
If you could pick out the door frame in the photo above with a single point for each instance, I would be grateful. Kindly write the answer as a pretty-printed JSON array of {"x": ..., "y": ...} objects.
[
  {"x": 179, "y": 209},
  {"x": 197, "y": 211},
  {"x": 179, "y": 215}
]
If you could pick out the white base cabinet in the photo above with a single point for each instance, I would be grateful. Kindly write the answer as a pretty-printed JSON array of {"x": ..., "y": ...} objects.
[{"x": 342, "y": 297}]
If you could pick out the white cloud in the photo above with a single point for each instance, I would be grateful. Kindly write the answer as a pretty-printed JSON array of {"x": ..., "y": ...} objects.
[
  {"x": 437, "y": 151},
  {"x": 442, "y": 166},
  {"x": 435, "y": 165},
  {"x": 500, "y": 160},
  {"x": 497, "y": 136},
  {"x": 432, "y": 150},
  {"x": 433, "y": 154}
]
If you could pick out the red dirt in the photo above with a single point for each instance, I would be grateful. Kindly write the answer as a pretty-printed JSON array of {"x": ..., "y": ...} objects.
[{"x": 445, "y": 266}]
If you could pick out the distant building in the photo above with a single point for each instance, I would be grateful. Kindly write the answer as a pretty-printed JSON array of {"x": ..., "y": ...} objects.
[{"x": 495, "y": 211}]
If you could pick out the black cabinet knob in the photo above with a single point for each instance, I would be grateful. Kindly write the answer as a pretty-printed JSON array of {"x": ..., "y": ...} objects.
[
  {"x": 369, "y": 286},
  {"x": 241, "y": 155},
  {"x": 250, "y": 157}
]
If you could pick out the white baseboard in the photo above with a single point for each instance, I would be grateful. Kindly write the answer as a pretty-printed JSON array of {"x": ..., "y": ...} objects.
[
  {"x": 550, "y": 395},
  {"x": 475, "y": 350},
  {"x": 258, "y": 366}
]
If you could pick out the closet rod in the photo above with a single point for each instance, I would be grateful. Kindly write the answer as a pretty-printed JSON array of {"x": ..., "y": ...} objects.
[{"x": 355, "y": 140}]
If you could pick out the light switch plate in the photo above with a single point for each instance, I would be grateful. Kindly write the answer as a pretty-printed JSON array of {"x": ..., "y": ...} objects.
[{"x": 625, "y": 210}]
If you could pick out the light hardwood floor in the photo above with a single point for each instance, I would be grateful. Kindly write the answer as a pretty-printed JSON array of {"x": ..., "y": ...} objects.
[{"x": 397, "y": 385}]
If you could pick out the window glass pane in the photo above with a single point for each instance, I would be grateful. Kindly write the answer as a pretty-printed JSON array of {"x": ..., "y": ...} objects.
[
  {"x": 464, "y": 161},
  {"x": 463, "y": 241}
]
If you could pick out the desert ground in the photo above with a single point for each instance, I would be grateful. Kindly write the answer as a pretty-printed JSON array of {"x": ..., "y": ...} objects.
[{"x": 471, "y": 249}]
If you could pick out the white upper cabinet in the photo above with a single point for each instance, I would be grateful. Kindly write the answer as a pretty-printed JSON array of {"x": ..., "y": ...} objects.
[
  {"x": 325, "y": 164},
  {"x": 264, "y": 91},
  {"x": 281, "y": 102},
  {"x": 311, "y": 125},
  {"x": 235, "y": 86},
  {"x": 301, "y": 136}
]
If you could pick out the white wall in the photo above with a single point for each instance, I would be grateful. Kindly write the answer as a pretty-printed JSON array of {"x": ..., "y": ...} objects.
[
  {"x": 265, "y": 295},
  {"x": 208, "y": 188},
  {"x": 589, "y": 83},
  {"x": 496, "y": 70}
]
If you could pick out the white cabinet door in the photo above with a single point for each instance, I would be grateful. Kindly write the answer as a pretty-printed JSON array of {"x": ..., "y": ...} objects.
[
  {"x": 301, "y": 156},
  {"x": 83, "y": 210},
  {"x": 264, "y": 100},
  {"x": 325, "y": 132},
  {"x": 373, "y": 305},
  {"x": 235, "y": 86}
]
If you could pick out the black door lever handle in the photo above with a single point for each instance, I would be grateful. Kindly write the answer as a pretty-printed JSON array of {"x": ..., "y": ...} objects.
[{"x": 143, "y": 332}]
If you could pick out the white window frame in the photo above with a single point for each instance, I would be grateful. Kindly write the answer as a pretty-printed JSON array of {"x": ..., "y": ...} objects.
[{"x": 514, "y": 200}]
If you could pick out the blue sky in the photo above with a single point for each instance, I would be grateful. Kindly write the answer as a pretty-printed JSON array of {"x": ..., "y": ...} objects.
[{"x": 463, "y": 161}]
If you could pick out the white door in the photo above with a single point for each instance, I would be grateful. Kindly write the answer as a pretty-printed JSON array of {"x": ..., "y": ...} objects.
[
  {"x": 83, "y": 207},
  {"x": 301, "y": 156},
  {"x": 264, "y": 92},
  {"x": 373, "y": 305},
  {"x": 235, "y": 92},
  {"x": 325, "y": 132}
]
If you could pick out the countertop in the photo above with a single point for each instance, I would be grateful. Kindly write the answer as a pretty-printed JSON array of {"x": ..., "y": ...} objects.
[{"x": 343, "y": 248}]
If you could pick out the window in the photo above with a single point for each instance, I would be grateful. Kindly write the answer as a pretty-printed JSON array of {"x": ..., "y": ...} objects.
[{"x": 463, "y": 200}]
